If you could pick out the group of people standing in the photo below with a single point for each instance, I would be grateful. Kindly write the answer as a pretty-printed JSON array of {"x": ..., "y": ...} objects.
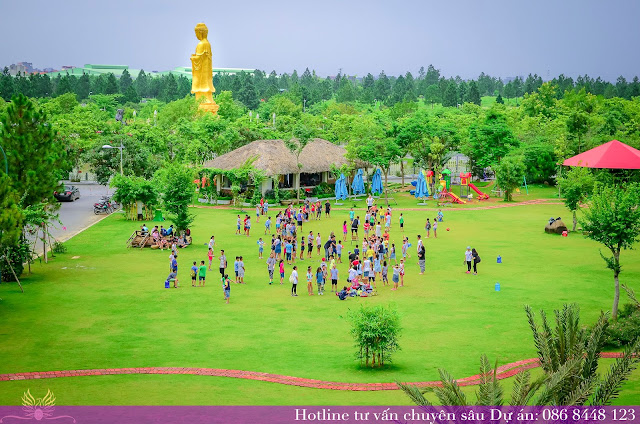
[{"x": 369, "y": 263}]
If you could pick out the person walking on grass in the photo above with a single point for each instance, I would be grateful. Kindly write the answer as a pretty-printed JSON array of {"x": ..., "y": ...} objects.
[
  {"x": 277, "y": 247},
  {"x": 226, "y": 287},
  {"x": 435, "y": 227},
  {"x": 427, "y": 227},
  {"x": 339, "y": 251},
  {"x": 223, "y": 263},
  {"x": 405, "y": 248},
  {"x": 260, "y": 247},
  {"x": 325, "y": 274},
  {"x": 401, "y": 223},
  {"x": 236, "y": 268},
  {"x": 248, "y": 225},
  {"x": 202, "y": 274},
  {"x": 396, "y": 276},
  {"x": 241, "y": 270},
  {"x": 302, "y": 247},
  {"x": 257, "y": 213},
  {"x": 271, "y": 266},
  {"x": 366, "y": 269},
  {"x": 194, "y": 274},
  {"x": 476, "y": 261},
  {"x": 310, "y": 282},
  {"x": 210, "y": 256},
  {"x": 288, "y": 248},
  {"x": 310, "y": 243},
  {"x": 421, "y": 259},
  {"x": 352, "y": 214},
  {"x": 212, "y": 242},
  {"x": 385, "y": 274},
  {"x": 293, "y": 278},
  {"x": 238, "y": 225},
  {"x": 377, "y": 267},
  {"x": 334, "y": 278},
  {"x": 267, "y": 225},
  {"x": 402, "y": 273},
  {"x": 468, "y": 258},
  {"x": 318, "y": 243},
  {"x": 327, "y": 209},
  {"x": 344, "y": 231},
  {"x": 319, "y": 280},
  {"x": 281, "y": 269},
  {"x": 392, "y": 253}
]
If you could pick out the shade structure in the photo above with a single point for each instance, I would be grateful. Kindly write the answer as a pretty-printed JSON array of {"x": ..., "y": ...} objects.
[
  {"x": 421, "y": 186},
  {"x": 341, "y": 188},
  {"x": 611, "y": 155},
  {"x": 376, "y": 183},
  {"x": 357, "y": 186}
]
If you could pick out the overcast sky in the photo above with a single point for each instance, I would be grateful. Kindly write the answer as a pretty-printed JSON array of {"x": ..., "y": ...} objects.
[{"x": 460, "y": 37}]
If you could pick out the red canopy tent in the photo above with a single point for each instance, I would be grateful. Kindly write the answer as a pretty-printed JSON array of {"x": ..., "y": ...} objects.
[{"x": 611, "y": 155}]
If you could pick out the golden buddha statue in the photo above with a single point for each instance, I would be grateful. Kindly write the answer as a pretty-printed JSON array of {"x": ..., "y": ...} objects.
[{"x": 201, "y": 69}]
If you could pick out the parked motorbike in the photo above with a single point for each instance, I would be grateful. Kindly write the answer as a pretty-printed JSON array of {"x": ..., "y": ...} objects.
[{"x": 106, "y": 206}]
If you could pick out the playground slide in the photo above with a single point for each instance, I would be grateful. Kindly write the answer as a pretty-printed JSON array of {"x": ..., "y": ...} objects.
[
  {"x": 454, "y": 197},
  {"x": 481, "y": 195}
]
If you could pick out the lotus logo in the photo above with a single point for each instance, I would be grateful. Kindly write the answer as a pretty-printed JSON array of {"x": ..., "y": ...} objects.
[{"x": 37, "y": 409}]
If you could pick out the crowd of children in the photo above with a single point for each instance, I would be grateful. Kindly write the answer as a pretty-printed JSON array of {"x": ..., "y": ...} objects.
[{"x": 369, "y": 263}]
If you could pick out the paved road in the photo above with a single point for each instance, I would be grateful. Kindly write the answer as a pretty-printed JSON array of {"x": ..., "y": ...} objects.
[{"x": 79, "y": 214}]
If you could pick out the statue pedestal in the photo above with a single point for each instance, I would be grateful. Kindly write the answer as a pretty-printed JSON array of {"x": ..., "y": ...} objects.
[{"x": 209, "y": 107}]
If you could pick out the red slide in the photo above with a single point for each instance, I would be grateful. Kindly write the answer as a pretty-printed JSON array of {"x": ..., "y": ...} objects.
[{"x": 481, "y": 195}]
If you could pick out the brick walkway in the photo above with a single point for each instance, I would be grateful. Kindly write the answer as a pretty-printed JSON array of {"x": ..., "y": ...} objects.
[{"x": 505, "y": 371}]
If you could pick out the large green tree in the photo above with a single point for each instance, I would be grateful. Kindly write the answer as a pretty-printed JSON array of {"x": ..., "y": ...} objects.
[
  {"x": 35, "y": 156},
  {"x": 490, "y": 140},
  {"x": 302, "y": 135},
  {"x": 575, "y": 186},
  {"x": 509, "y": 175},
  {"x": 176, "y": 184},
  {"x": 613, "y": 220},
  {"x": 125, "y": 81}
]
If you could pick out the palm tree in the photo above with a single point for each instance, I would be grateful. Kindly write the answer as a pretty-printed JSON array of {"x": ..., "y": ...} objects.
[{"x": 569, "y": 357}]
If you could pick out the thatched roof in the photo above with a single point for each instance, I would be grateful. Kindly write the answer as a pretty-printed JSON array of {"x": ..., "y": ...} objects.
[{"x": 273, "y": 157}]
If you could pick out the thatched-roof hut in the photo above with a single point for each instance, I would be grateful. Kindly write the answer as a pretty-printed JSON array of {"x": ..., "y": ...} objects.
[{"x": 275, "y": 159}]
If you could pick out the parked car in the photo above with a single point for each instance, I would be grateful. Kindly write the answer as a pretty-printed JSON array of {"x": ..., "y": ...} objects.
[{"x": 68, "y": 194}]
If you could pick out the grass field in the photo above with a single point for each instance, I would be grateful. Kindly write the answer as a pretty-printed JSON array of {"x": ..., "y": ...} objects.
[{"x": 108, "y": 309}]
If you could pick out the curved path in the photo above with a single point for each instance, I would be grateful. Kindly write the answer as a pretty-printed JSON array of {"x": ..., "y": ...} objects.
[{"x": 505, "y": 371}]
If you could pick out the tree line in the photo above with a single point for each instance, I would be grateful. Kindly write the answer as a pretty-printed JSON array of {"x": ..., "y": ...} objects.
[{"x": 250, "y": 89}]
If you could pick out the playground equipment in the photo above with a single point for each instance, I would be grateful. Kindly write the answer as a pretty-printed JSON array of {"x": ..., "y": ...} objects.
[
  {"x": 430, "y": 175},
  {"x": 446, "y": 177},
  {"x": 481, "y": 195},
  {"x": 465, "y": 179},
  {"x": 454, "y": 198}
]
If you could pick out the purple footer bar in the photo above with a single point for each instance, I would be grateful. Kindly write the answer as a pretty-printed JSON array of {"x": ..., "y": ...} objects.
[{"x": 317, "y": 414}]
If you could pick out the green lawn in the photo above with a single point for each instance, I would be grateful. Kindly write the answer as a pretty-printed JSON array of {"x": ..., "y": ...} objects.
[{"x": 108, "y": 309}]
